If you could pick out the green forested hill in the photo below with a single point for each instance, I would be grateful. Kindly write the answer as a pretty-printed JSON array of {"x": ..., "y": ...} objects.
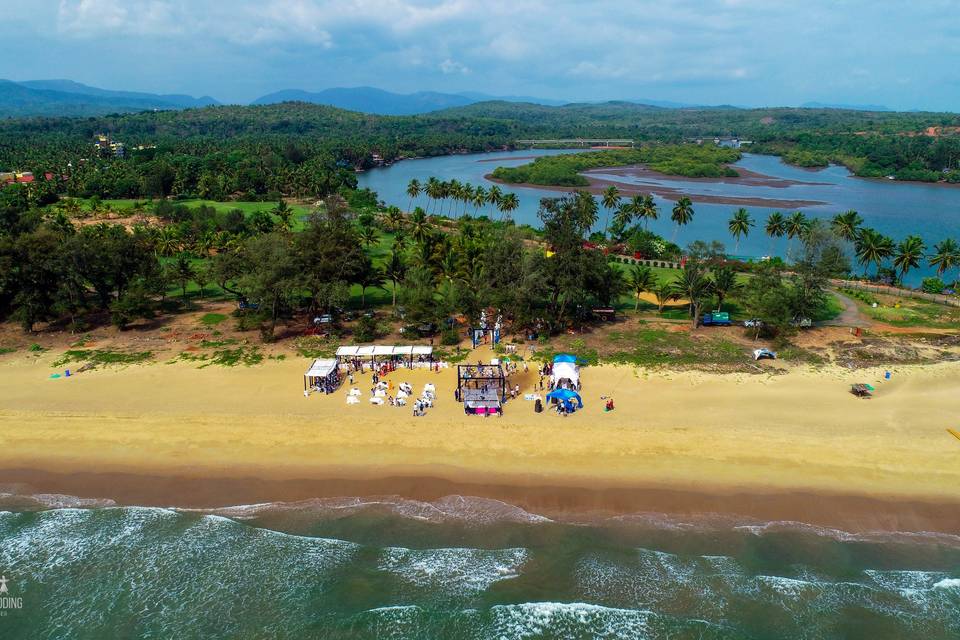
[{"x": 222, "y": 150}]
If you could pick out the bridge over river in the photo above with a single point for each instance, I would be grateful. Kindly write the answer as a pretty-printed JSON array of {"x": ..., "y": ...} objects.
[{"x": 578, "y": 142}]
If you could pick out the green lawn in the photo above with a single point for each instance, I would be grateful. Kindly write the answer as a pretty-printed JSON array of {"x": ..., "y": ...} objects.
[{"x": 914, "y": 313}]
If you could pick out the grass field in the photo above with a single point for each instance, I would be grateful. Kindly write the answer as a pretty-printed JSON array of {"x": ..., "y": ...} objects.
[
  {"x": 248, "y": 208},
  {"x": 904, "y": 312}
]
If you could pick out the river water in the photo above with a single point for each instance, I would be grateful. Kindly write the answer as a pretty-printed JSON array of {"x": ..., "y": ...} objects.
[{"x": 896, "y": 209}]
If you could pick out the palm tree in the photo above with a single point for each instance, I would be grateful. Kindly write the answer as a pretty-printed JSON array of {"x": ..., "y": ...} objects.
[
  {"x": 283, "y": 213},
  {"x": 908, "y": 255},
  {"x": 797, "y": 225},
  {"x": 420, "y": 226},
  {"x": 611, "y": 200},
  {"x": 509, "y": 203},
  {"x": 739, "y": 225},
  {"x": 847, "y": 225},
  {"x": 649, "y": 210},
  {"x": 641, "y": 280},
  {"x": 776, "y": 226},
  {"x": 413, "y": 190},
  {"x": 886, "y": 250},
  {"x": 624, "y": 216},
  {"x": 203, "y": 244},
  {"x": 70, "y": 207},
  {"x": 479, "y": 198},
  {"x": 167, "y": 241},
  {"x": 494, "y": 196},
  {"x": 368, "y": 235},
  {"x": 466, "y": 196},
  {"x": 395, "y": 271},
  {"x": 724, "y": 283},
  {"x": 433, "y": 189},
  {"x": 694, "y": 285},
  {"x": 635, "y": 204},
  {"x": 394, "y": 218},
  {"x": 946, "y": 257},
  {"x": 682, "y": 213},
  {"x": 665, "y": 291},
  {"x": 453, "y": 192},
  {"x": 869, "y": 248},
  {"x": 400, "y": 241},
  {"x": 371, "y": 277},
  {"x": 587, "y": 209}
]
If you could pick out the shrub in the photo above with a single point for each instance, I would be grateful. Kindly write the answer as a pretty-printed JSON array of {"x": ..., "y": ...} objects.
[
  {"x": 450, "y": 337},
  {"x": 367, "y": 330},
  {"x": 932, "y": 285}
]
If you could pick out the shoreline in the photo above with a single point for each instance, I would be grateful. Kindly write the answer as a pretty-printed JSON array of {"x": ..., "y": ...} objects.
[
  {"x": 849, "y": 513},
  {"x": 248, "y": 434}
]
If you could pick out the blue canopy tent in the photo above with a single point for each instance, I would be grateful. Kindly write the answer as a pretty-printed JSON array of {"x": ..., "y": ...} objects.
[
  {"x": 563, "y": 395},
  {"x": 564, "y": 357}
]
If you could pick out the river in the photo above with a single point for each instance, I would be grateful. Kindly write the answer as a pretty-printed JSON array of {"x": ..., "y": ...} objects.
[{"x": 896, "y": 209}]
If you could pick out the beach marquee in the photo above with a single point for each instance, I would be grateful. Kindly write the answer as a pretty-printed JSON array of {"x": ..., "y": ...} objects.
[
  {"x": 321, "y": 368},
  {"x": 383, "y": 351},
  {"x": 322, "y": 374}
]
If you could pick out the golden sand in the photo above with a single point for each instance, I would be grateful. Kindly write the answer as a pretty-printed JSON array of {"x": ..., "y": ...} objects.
[{"x": 802, "y": 431}]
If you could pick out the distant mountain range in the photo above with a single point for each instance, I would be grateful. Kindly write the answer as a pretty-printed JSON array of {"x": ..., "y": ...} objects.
[
  {"x": 371, "y": 100},
  {"x": 68, "y": 98}
]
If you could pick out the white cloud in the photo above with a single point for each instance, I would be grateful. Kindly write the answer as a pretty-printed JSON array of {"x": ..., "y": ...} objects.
[
  {"x": 703, "y": 50},
  {"x": 449, "y": 66}
]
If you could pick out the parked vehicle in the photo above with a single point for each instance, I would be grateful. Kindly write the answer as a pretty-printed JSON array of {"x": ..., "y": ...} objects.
[
  {"x": 717, "y": 319},
  {"x": 245, "y": 305},
  {"x": 803, "y": 323},
  {"x": 753, "y": 322}
]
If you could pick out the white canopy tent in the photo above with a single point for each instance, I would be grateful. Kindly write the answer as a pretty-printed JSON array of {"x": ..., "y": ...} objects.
[
  {"x": 375, "y": 352},
  {"x": 565, "y": 374},
  {"x": 323, "y": 370}
]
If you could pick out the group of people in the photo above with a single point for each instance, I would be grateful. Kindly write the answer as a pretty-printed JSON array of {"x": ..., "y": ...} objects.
[
  {"x": 383, "y": 367},
  {"x": 382, "y": 392}
]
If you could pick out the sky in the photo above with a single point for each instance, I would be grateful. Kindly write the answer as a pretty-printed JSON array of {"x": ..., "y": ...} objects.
[{"x": 744, "y": 52}]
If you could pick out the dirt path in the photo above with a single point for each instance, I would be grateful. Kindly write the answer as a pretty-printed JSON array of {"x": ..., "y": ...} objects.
[{"x": 851, "y": 316}]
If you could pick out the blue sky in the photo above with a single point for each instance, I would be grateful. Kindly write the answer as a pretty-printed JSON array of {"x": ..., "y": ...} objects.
[{"x": 746, "y": 52}]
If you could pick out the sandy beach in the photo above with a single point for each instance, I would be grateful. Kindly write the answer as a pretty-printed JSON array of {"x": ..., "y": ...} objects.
[
  {"x": 652, "y": 182},
  {"x": 676, "y": 438}
]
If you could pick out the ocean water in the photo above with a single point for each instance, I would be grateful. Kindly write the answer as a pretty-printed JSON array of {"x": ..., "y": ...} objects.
[{"x": 460, "y": 568}]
